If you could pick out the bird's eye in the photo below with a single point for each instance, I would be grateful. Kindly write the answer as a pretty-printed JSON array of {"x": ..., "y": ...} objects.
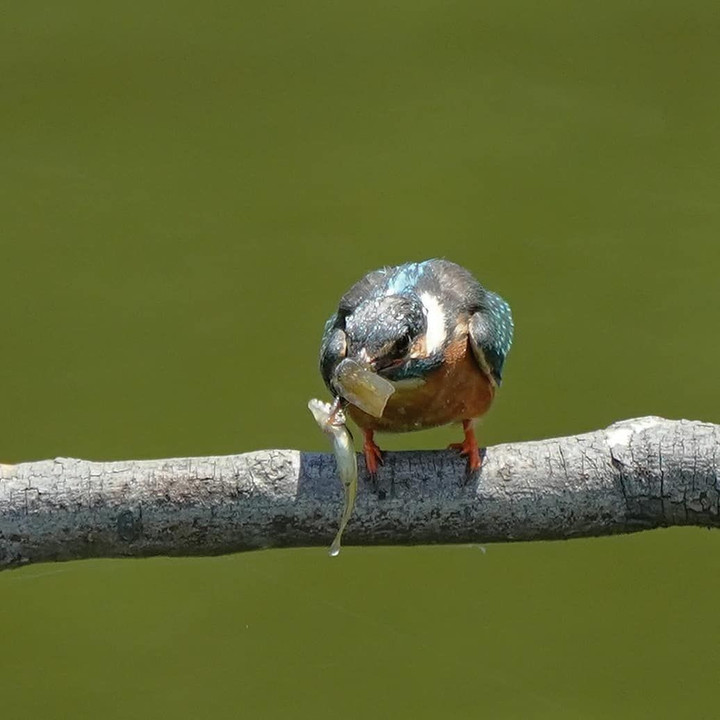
[{"x": 401, "y": 345}]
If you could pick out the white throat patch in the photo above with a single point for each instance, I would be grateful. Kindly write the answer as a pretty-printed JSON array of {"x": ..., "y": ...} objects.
[{"x": 435, "y": 323}]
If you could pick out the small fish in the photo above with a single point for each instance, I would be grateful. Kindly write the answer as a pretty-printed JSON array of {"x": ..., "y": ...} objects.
[
  {"x": 362, "y": 387},
  {"x": 331, "y": 419}
]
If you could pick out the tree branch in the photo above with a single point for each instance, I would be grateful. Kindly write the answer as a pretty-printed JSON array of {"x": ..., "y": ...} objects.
[{"x": 635, "y": 475}]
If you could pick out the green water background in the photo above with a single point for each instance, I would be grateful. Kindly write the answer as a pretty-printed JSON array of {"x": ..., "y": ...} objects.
[{"x": 187, "y": 189}]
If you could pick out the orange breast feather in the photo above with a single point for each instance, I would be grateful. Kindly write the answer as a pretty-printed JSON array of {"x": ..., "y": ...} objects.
[{"x": 457, "y": 391}]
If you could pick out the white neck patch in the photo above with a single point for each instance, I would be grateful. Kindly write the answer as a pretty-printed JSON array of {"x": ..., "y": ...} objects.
[{"x": 435, "y": 323}]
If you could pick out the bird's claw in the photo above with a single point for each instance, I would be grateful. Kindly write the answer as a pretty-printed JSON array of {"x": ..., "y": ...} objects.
[
  {"x": 470, "y": 449},
  {"x": 373, "y": 456}
]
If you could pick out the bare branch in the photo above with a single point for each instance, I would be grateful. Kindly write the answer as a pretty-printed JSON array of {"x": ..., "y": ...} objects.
[{"x": 634, "y": 475}]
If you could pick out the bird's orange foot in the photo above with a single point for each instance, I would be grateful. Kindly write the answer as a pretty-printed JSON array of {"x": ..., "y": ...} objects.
[
  {"x": 469, "y": 448},
  {"x": 373, "y": 454}
]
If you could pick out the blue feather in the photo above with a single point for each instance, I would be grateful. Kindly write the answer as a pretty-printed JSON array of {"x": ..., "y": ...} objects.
[{"x": 405, "y": 277}]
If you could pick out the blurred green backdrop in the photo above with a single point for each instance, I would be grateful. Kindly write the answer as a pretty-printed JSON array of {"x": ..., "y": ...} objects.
[{"x": 187, "y": 189}]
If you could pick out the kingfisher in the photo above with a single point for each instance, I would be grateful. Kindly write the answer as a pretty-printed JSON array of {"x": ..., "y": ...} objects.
[{"x": 435, "y": 334}]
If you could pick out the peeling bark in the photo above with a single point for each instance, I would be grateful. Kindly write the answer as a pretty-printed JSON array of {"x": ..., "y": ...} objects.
[{"x": 634, "y": 475}]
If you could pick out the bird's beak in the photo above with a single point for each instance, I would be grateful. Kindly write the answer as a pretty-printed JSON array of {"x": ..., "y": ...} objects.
[
  {"x": 376, "y": 364},
  {"x": 365, "y": 359}
]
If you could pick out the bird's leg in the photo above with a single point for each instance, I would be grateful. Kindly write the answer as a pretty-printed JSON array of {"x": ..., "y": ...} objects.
[
  {"x": 373, "y": 454},
  {"x": 469, "y": 447}
]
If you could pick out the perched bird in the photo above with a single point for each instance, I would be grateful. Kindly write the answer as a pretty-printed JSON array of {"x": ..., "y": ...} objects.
[{"x": 434, "y": 332}]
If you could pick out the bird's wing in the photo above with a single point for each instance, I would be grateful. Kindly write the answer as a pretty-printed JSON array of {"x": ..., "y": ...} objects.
[{"x": 491, "y": 333}]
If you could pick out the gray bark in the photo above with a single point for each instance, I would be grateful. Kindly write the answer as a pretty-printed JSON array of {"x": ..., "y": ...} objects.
[{"x": 635, "y": 475}]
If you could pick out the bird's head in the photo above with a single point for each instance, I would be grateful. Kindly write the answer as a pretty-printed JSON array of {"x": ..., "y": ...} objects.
[{"x": 383, "y": 332}]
